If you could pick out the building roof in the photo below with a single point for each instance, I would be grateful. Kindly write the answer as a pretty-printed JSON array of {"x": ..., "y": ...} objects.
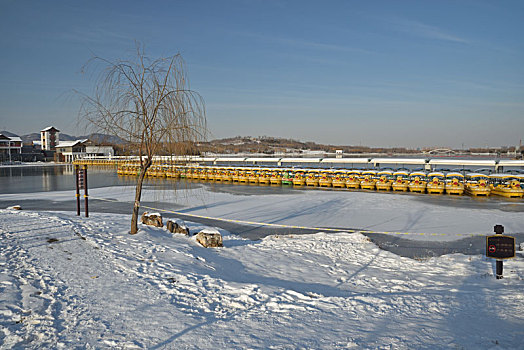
[
  {"x": 49, "y": 128},
  {"x": 70, "y": 143},
  {"x": 10, "y": 138}
]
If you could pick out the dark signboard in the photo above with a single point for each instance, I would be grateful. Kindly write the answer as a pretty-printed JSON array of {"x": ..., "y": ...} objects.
[{"x": 500, "y": 247}]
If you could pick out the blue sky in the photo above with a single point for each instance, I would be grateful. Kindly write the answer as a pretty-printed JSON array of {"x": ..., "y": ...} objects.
[{"x": 377, "y": 73}]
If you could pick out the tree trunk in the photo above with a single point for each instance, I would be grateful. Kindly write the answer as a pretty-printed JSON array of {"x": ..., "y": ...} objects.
[{"x": 138, "y": 195}]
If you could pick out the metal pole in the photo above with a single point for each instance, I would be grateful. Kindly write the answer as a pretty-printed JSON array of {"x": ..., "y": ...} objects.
[
  {"x": 499, "y": 229},
  {"x": 77, "y": 168},
  {"x": 85, "y": 190}
]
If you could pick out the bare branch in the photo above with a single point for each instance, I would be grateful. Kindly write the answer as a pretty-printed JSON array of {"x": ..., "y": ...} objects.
[{"x": 149, "y": 104}]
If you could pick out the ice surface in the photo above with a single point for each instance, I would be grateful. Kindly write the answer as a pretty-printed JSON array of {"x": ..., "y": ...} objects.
[{"x": 382, "y": 212}]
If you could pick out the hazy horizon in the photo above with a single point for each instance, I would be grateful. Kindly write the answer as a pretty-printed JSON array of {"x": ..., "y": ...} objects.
[{"x": 379, "y": 73}]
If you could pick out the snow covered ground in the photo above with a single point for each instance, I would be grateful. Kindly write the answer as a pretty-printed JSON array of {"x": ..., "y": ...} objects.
[{"x": 70, "y": 282}]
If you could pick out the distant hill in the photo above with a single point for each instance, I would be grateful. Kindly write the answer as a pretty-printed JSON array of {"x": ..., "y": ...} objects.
[{"x": 275, "y": 145}]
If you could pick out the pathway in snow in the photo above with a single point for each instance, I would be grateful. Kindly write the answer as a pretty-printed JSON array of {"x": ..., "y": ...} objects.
[{"x": 71, "y": 282}]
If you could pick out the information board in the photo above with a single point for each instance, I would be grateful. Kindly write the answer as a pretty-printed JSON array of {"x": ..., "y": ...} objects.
[{"x": 500, "y": 247}]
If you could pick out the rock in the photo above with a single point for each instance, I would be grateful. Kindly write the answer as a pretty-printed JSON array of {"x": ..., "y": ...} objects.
[
  {"x": 15, "y": 207},
  {"x": 153, "y": 219},
  {"x": 175, "y": 227},
  {"x": 209, "y": 239}
]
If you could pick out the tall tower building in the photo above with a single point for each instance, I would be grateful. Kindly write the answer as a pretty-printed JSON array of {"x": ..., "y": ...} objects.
[{"x": 49, "y": 138}]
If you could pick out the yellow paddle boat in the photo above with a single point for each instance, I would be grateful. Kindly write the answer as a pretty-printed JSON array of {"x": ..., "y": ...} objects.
[
  {"x": 264, "y": 177},
  {"x": 436, "y": 184},
  {"x": 477, "y": 185},
  {"x": 122, "y": 170},
  {"x": 276, "y": 177},
  {"x": 312, "y": 176},
  {"x": 300, "y": 178},
  {"x": 455, "y": 184},
  {"x": 219, "y": 174},
  {"x": 234, "y": 174},
  {"x": 195, "y": 172},
  {"x": 325, "y": 178},
  {"x": 134, "y": 170},
  {"x": 368, "y": 180},
  {"x": 385, "y": 178},
  {"x": 252, "y": 176},
  {"x": 401, "y": 181},
  {"x": 161, "y": 170},
  {"x": 353, "y": 179},
  {"x": 227, "y": 174},
  {"x": 202, "y": 173},
  {"x": 151, "y": 171},
  {"x": 171, "y": 172},
  {"x": 338, "y": 179},
  {"x": 417, "y": 182},
  {"x": 210, "y": 174},
  {"x": 154, "y": 171},
  {"x": 243, "y": 176},
  {"x": 508, "y": 186}
]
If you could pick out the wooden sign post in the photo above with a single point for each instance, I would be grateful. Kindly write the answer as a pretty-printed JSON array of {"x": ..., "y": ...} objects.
[
  {"x": 500, "y": 247},
  {"x": 85, "y": 191},
  {"x": 77, "y": 181},
  {"x": 81, "y": 182}
]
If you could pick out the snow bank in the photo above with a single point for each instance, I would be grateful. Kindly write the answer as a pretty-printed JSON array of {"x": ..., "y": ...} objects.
[{"x": 70, "y": 282}]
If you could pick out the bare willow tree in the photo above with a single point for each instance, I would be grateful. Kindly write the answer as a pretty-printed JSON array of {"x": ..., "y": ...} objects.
[{"x": 149, "y": 104}]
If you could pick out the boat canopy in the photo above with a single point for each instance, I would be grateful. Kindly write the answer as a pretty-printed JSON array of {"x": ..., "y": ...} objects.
[
  {"x": 448, "y": 175},
  {"x": 402, "y": 172},
  {"x": 476, "y": 175},
  {"x": 506, "y": 176},
  {"x": 385, "y": 172},
  {"x": 435, "y": 174},
  {"x": 418, "y": 173}
]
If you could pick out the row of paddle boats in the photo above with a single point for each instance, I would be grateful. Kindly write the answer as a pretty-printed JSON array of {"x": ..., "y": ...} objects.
[{"x": 452, "y": 183}]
